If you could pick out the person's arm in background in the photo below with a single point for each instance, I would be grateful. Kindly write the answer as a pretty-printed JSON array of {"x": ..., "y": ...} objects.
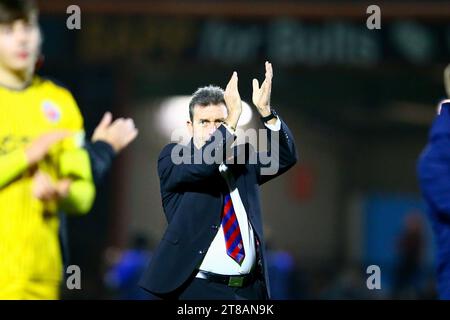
[
  {"x": 85, "y": 165},
  {"x": 434, "y": 174},
  {"x": 433, "y": 167},
  {"x": 101, "y": 156},
  {"x": 16, "y": 162},
  {"x": 12, "y": 165},
  {"x": 76, "y": 186},
  {"x": 108, "y": 140}
]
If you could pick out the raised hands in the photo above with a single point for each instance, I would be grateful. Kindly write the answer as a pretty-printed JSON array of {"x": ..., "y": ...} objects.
[
  {"x": 261, "y": 95},
  {"x": 118, "y": 134},
  {"x": 233, "y": 101}
]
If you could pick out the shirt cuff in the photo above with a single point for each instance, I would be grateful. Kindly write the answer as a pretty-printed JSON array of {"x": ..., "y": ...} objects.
[
  {"x": 230, "y": 130},
  {"x": 274, "y": 127}
]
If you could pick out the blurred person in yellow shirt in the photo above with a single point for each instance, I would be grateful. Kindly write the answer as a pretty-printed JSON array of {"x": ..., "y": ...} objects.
[{"x": 43, "y": 167}]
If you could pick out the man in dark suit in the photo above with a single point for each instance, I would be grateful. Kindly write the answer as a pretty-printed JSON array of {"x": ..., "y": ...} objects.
[
  {"x": 433, "y": 170},
  {"x": 213, "y": 247}
]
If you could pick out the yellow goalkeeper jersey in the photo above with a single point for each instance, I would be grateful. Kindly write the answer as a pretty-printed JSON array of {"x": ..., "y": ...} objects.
[{"x": 29, "y": 243}]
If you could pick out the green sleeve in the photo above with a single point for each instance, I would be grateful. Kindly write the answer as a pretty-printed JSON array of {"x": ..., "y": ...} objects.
[
  {"x": 12, "y": 165},
  {"x": 75, "y": 164}
]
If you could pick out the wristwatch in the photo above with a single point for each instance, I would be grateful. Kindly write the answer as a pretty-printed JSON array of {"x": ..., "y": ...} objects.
[{"x": 272, "y": 115}]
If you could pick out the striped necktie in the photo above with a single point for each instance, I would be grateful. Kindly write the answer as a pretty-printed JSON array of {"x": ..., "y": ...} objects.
[{"x": 232, "y": 232}]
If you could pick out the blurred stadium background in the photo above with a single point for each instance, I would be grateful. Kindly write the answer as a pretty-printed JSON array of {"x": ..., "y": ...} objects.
[{"x": 358, "y": 101}]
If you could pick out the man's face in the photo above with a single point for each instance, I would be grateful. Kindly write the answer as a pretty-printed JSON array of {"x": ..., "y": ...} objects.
[
  {"x": 19, "y": 45},
  {"x": 206, "y": 120}
]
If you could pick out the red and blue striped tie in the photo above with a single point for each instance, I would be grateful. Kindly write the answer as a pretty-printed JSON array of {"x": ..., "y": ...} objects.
[{"x": 232, "y": 232}]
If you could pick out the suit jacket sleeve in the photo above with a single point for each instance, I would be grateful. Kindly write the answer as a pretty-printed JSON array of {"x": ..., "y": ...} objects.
[
  {"x": 190, "y": 171},
  {"x": 280, "y": 156},
  {"x": 101, "y": 155}
]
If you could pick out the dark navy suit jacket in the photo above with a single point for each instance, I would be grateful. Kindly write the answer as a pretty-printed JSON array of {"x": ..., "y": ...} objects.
[
  {"x": 192, "y": 199},
  {"x": 434, "y": 176}
]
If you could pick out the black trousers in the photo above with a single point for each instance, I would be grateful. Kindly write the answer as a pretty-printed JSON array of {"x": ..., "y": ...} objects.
[{"x": 202, "y": 289}]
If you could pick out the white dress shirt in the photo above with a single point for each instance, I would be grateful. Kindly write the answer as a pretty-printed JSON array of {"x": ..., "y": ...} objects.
[{"x": 216, "y": 259}]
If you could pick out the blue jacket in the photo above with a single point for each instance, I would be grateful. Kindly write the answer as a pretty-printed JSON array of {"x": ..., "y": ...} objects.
[
  {"x": 192, "y": 199},
  {"x": 434, "y": 177}
]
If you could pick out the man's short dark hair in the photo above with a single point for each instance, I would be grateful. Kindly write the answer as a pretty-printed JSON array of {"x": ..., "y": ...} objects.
[
  {"x": 12, "y": 10},
  {"x": 205, "y": 96}
]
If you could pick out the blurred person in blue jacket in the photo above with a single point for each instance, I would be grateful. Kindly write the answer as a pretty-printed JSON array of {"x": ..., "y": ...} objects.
[
  {"x": 434, "y": 177},
  {"x": 124, "y": 274}
]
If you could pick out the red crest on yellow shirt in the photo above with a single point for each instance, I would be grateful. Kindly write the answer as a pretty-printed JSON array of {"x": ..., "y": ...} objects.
[{"x": 51, "y": 111}]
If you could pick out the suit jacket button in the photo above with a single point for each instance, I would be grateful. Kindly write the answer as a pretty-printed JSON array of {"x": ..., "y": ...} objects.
[
  {"x": 214, "y": 227},
  {"x": 201, "y": 252}
]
